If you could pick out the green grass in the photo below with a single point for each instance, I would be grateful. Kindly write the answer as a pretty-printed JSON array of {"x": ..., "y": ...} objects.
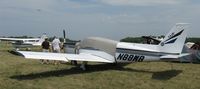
[{"x": 19, "y": 73}]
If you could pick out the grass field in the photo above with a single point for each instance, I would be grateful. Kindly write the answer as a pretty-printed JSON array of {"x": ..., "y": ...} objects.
[{"x": 19, "y": 73}]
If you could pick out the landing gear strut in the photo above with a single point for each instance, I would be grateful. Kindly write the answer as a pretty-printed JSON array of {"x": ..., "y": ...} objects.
[{"x": 83, "y": 65}]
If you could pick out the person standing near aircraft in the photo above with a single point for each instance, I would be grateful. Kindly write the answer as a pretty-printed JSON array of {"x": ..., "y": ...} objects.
[
  {"x": 56, "y": 46},
  {"x": 76, "y": 51},
  {"x": 45, "y": 48}
]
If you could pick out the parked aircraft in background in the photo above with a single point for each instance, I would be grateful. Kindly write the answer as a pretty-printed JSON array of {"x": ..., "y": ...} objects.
[
  {"x": 152, "y": 40},
  {"x": 96, "y": 49},
  {"x": 25, "y": 42}
]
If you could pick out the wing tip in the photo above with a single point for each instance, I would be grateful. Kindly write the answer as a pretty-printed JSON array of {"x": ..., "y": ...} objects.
[{"x": 18, "y": 53}]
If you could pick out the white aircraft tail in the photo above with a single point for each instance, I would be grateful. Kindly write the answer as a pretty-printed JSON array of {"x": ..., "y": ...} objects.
[
  {"x": 175, "y": 39},
  {"x": 42, "y": 38}
]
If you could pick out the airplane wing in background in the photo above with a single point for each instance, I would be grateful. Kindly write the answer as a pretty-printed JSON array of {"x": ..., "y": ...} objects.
[
  {"x": 64, "y": 57},
  {"x": 10, "y": 39},
  {"x": 18, "y": 39}
]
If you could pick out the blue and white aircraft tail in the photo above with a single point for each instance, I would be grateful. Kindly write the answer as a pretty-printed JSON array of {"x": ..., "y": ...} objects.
[
  {"x": 96, "y": 49},
  {"x": 175, "y": 39}
]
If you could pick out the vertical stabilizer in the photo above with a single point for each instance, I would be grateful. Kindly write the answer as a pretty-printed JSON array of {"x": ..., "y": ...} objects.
[
  {"x": 42, "y": 38},
  {"x": 175, "y": 39}
]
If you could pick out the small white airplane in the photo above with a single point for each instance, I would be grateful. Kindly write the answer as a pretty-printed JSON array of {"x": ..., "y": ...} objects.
[
  {"x": 96, "y": 49},
  {"x": 25, "y": 42}
]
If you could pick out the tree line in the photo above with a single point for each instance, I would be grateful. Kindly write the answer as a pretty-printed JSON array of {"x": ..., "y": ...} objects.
[{"x": 141, "y": 40}]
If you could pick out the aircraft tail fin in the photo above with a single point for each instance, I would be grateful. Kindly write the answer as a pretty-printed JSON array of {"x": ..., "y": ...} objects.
[
  {"x": 42, "y": 38},
  {"x": 175, "y": 39}
]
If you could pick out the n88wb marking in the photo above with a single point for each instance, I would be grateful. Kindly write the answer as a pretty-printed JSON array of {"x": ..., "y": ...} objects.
[{"x": 130, "y": 57}]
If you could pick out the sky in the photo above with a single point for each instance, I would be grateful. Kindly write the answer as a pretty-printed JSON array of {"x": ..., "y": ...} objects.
[{"x": 113, "y": 19}]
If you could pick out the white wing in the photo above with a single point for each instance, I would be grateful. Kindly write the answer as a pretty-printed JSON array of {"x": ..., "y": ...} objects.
[
  {"x": 43, "y": 55},
  {"x": 10, "y": 39},
  {"x": 18, "y": 39},
  {"x": 66, "y": 57}
]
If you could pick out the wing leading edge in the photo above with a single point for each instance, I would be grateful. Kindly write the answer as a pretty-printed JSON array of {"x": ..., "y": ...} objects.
[{"x": 63, "y": 57}]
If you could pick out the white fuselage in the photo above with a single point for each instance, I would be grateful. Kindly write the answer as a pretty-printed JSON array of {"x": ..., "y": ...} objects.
[
  {"x": 122, "y": 52},
  {"x": 127, "y": 52},
  {"x": 26, "y": 43},
  {"x": 132, "y": 52},
  {"x": 32, "y": 41}
]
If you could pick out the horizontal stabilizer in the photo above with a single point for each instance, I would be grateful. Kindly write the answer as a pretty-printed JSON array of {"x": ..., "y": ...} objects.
[
  {"x": 174, "y": 56},
  {"x": 169, "y": 57}
]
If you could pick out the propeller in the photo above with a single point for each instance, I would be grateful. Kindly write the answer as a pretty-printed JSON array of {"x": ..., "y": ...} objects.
[{"x": 64, "y": 34}]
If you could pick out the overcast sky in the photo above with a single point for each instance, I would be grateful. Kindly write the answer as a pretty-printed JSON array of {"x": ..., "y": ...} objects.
[{"x": 114, "y": 19}]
